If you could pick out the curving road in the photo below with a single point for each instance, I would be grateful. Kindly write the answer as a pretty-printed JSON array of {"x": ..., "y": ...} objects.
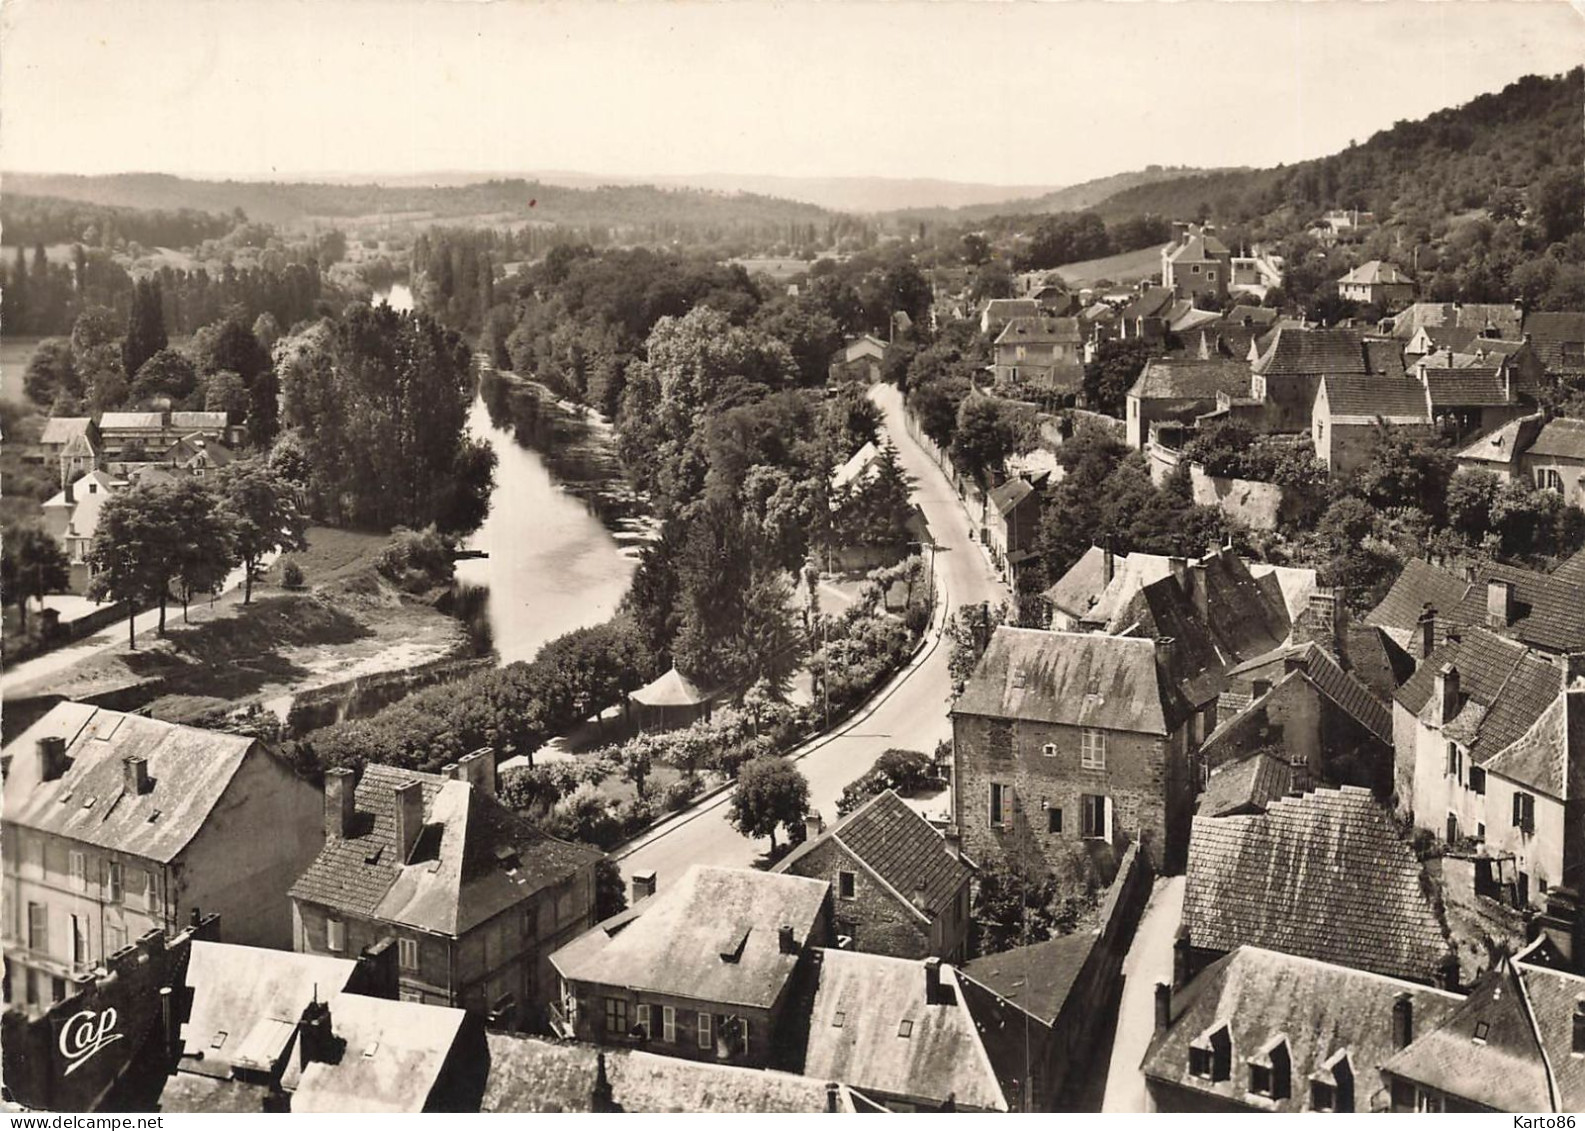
[{"x": 911, "y": 712}]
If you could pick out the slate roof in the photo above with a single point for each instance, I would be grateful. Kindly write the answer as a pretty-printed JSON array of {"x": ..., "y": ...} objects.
[
  {"x": 1036, "y": 978},
  {"x": 1248, "y": 785},
  {"x": 1475, "y": 386},
  {"x": 1555, "y": 326},
  {"x": 1153, "y": 302},
  {"x": 859, "y": 463},
  {"x": 1502, "y": 445},
  {"x": 1549, "y": 611},
  {"x": 1324, "y": 876},
  {"x": 1073, "y": 679},
  {"x": 474, "y": 859},
  {"x": 199, "y": 421},
  {"x": 1198, "y": 248},
  {"x": 871, "y": 1027},
  {"x": 1363, "y": 399},
  {"x": 1075, "y": 591},
  {"x": 1549, "y": 757},
  {"x": 1191, "y": 379},
  {"x": 395, "y": 1054},
  {"x": 1384, "y": 356},
  {"x": 1561, "y": 439},
  {"x": 1522, "y": 1059},
  {"x": 1501, "y": 316},
  {"x": 1320, "y": 1009},
  {"x": 1455, "y": 338},
  {"x": 131, "y": 420},
  {"x": 1010, "y": 494},
  {"x": 900, "y": 847},
  {"x": 1041, "y": 331},
  {"x": 1571, "y": 572},
  {"x": 530, "y": 1074},
  {"x": 60, "y": 429},
  {"x": 1345, "y": 689},
  {"x": 1503, "y": 689},
  {"x": 1293, "y": 352},
  {"x": 1012, "y": 308},
  {"x": 190, "y": 770},
  {"x": 1419, "y": 583},
  {"x": 1376, "y": 273},
  {"x": 712, "y": 936},
  {"x": 1257, "y": 315}
]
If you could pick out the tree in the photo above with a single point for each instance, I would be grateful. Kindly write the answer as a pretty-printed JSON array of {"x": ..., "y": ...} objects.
[
  {"x": 264, "y": 514},
  {"x": 96, "y": 356},
  {"x": 206, "y": 545},
  {"x": 991, "y": 281},
  {"x": 610, "y": 892},
  {"x": 224, "y": 392},
  {"x": 267, "y": 330},
  {"x": 770, "y": 793},
  {"x": 167, "y": 373},
  {"x": 145, "y": 335},
  {"x": 983, "y": 439},
  {"x": 34, "y": 567},
  {"x": 52, "y": 373},
  {"x": 1107, "y": 379},
  {"x": 135, "y": 552},
  {"x": 1560, "y": 203},
  {"x": 976, "y": 249}
]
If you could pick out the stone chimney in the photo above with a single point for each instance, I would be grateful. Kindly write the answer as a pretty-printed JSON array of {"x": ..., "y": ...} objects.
[
  {"x": 643, "y": 885},
  {"x": 316, "y": 1039},
  {"x": 1499, "y": 603},
  {"x": 1579, "y": 1026},
  {"x": 478, "y": 769},
  {"x": 785, "y": 940},
  {"x": 1108, "y": 562},
  {"x": 1163, "y": 1006},
  {"x": 833, "y": 1098},
  {"x": 954, "y": 839},
  {"x": 1180, "y": 571},
  {"x": 51, "y": 757},
  {"x": 1180, "y": 960},
  {"x": 135, "y": 771},
  {"x": 339, "y": 806},
  {"x": 409, "y": 816},
  {"x": 1402, "y": 1020},
  {"x": 1199, "y": 592},
  {"x": 1446, "y": 692},
  {"x": 932, "y": 980},
  {"x": 1166, "y": 653},
  {"x": 814, "y": 824},
  {"x": 1425, "y": 629}
]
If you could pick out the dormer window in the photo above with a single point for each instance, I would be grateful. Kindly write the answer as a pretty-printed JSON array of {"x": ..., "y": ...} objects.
[
  {"x": 1270, "y": 1071},
  {"x": 1332, "y": 1085},
  {"x": 1211, "y": 1054}
]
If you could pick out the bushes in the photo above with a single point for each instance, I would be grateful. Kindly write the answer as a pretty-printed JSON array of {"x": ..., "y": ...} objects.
[
  {"x": 906, "y": 771},
  {"x": 291, "y": 574},
  {"x": 416, "y": 560}
]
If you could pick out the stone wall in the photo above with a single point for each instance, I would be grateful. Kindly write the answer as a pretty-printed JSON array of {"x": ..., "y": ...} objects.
[{"x": 1256, "y": 505}]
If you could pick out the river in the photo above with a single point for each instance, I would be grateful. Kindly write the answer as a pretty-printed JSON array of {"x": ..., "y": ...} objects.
[{"x": 563, "y": 531}]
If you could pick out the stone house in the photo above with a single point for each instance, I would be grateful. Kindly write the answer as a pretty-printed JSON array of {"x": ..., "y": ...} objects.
[
  {"x": 116, "y": 825},
  {"x": 1550, "y": 454},
  {"x": 1351, "y": 412},
  {"x": 71, "y": 517},
  {"x": 474, "y": 897},
  {"x": 1067, "y": 748},
  {"x": 899, "y": 887},
  {"x": 1378, "y": 284},
  {"x": 998, "y": 312},
  {"x": 1012, "y": 523},
  {"x": 1196, "y": 264},
  {"x": 1043, "y": 352},
  {"x": 1181, "y": 389}
]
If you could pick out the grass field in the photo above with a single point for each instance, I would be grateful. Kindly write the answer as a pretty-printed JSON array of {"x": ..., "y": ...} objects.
[
  {"x": 15, "y": 353},
  {"x": 1129, "y": 267},
  {"x": 334, "y": 553}
]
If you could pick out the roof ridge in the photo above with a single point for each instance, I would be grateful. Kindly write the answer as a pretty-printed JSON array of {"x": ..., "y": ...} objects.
[{"x": 1535, "y": 1032}]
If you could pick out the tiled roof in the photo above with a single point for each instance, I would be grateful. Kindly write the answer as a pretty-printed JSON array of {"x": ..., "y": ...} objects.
[
  {"x": 1012, "y": 308},
  {"x": 1376, "y": 273},
  {"x": 1074, "y": 679},
  {"x": 1561, "y": 439},
  {"x": 900, "y": 847},
  {"x": 1503, "y": 688},
  {"x": 1501, "y": 316},
  {"x": 1294, "y": 352},
  {"x": 1571, "y": 572},
  {"x": 1549, "y": 611},
  {"x": 1348, "y": 692},
  {"x": 1242, "y": 617},
  {"x": 872, "y": 1027},
  {"x": 712, "y": 936},
  {"x": 1036, "y": 978},
  {"x": 1041, "y": 331},
  {"x": 474, "y": 859},
  {"x": 1365, "y": 399},
  {"x": 59, "y": 429},
  {"x": 1384, "y": 356},
  {"x": 1154, "y": 302},
  {"x": 1470, "y": 387},
  {"x": 189, "y": 770},
  {"x": 1553, "y": 997},
  {"x": 1549, "y": 757},
  {"x": 1320, "y": 1009},
  {"x": 1455, "y": 338},
  {"x": 1323, "y": 876},
  {"x": 1257, "y": 315},
  {"x": 1502, "y": 445},
  {"x": 1555, "y": 326},
  {"x": 1191, "y": 379},
  {"x": 1075, "y": 591},
  {"x": 1248, "y": 785},
  {"x": 1198, "y": 248},
  {"x": 1010, "y": 494},
  {"x": 530, "y": 1074},
  {"x": 1419, "y": 584},
  {"x": 199, "y": 421},
  {"x": 1192, "y": 319},
  {"x": 395, "y": 1054}
]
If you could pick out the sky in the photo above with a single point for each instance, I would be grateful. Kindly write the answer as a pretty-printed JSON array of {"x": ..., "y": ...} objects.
[{"x": 996, "y": 91}]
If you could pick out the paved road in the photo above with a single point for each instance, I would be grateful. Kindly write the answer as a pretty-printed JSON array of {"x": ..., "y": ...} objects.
[
  {"x": 1149, "y": 960},
  {"x": 910, "y": 713}
]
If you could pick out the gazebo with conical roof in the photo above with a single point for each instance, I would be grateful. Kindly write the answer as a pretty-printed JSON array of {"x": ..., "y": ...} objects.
[{"x": 670, "y": 701}]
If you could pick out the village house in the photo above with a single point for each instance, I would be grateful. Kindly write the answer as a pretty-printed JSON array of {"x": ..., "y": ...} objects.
[
  {"x": 1012, "y": 524},
  {"x": 474, "y": 896},
  {"x": 1351, "y": 411},
  {"x": 117, "y": 825},
  {"x": 998, "y": 312},
  {"x": 1196, "y": 264},
  {"x": 1383, "y": 285},
  {"x": 1558, "y": 337},
  {"x": 1471, "y": 393},
  {"x": 1042, "y": 352},
  {"x": 1146, "y": 317},
  {"x": 1492, "y": 319},
  {"x": 71, "y": 517},
  {"x": 1248, "y": 785},
  {"x": 1549, "y": 454},
  {"x": 703, "y": 970},
  {"x": 900, "y": 887},
  {"x": 1261, "y": 1030},
  {"x": 1181, "y": 389},
  {"x": 1325, "y": 876},
  {"x": 1069, "y": 747},
  {"x": 1254, "y": 274},
  {"x": 73, "y": 444},
  {"x": 860, "y": 359},
  {"x": 1342, "y": 225},
  {"x": 1287, "y": 375},
  {"x": 136, "y": 437}
]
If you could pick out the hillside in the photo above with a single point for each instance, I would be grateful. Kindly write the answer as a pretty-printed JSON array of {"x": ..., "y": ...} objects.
[
  {"x": 1074, "y": 198},
  {"x": 840, "y": 194}
]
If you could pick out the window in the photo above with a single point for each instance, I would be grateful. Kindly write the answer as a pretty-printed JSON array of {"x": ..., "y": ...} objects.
[
  {"x": 1093, "y": 752},
  {"x": 616, "y": 1015},
  {"x": 79, "y": 870},
  {"x": 847, "y": 885},
  {"x": 1455, "y": 762},
  {"x": 1524, "y": 812},
  {"x": 1548, "y": 479},
  {"x": 1337, "y": 1092},
  {"x": 336, "y": 935},
  {"x": 1269, "y": 1073},
  {"x": 704, "y": 1030},
  {"x": 1211, "y": 1055},
  {"x": 668, "y": 1024},
  {"x": 408, "y": 993},
  {"x": 1211, "y": 275},
  {"x": 407, "y": 953},
  {"x": 33, "y": 855},
  {"x": 79, "y": 939},
  {"x": 1096, "y": 813},
  {"x": 1053, "y": 820},
  {"x": 1195, "y": 269},
  {"x": 38, "y": 928},
  {"x": 1477, "y": 779},
  {"x": 1427, "y": 1103},
  {"x": 1001, "y": 804},
  {"x": 641, "y": 1019},
  {"x": 1482, "y": 1028},
  {"x": 905, "y": 1028},
  {"x": 1049, "y": 750},
  {"x": 1260, "y": 1079},
  {"x": 1323, "y": 1097},
  {"x": 113, "y": 881},
  {"x": 32, "y": 986},
  {"x": 151, "y": 897}
]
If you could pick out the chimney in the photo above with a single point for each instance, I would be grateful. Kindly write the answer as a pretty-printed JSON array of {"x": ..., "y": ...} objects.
[
  {"x": 135, "y": 770},
  {"x": 1180, "y": 960},
  {"x": 643, "y": 885},
  {"x": 1499, "y": 603},
  {"x": 1402, "y": 1020},
  {"x": 954, "y": 839},
  {"x": 52, "y": 758},
  {"x": 932, "y": 980},
  {"x": 1199, "y": 594},
  {"x": 787, "y": 943},
  {"x": 1180, "y": 229},
  {"x": 478, "y": 769},
  {"x": 1426, "y": 627},
  {"x": 1180, "y": 571},
  {"x": 338, "y": 803},
  {"x": 833, "y": 1098},
  {"x": 1163, "y": 1006},
  {"x": 409, "y": 816},
  {"x": 1108, "y": 562},
  {"x": 316, "y": 1040},
  {"x": 451, "y": 771},
  {"x": 814, "y": 824},
  {"x": 1446, "y": 691},
  {"x": 1166, "y": 653},
  {"x": 1579, "y": 1026}
]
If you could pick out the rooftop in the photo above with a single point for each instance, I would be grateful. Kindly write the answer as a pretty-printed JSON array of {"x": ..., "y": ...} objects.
[
  {"x": 1360, "y": 399},
  {"x": 1245, "y": 786},
  {"x": 1040, "y": 331},
  {"x": 60, "y": 429},
  {"x": 1296, "y": 352},
  {"x": 1560, "y": 439},
  {"x": 1191, "y": 378},
  {"x": 1376, "y": 273},
  {"x": 394, "y": 1057},
  {"x": 1036, "y": 978}
]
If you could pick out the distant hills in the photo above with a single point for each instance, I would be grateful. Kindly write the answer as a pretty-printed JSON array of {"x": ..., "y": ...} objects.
[{"x": 1074, "y": 198}]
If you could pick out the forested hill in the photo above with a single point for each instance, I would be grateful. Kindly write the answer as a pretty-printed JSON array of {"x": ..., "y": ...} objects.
[
  {"x": 1418, "y": 173},
  {"x": 499, "y": 201},
  {"x": 1074, "y": 198}
]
